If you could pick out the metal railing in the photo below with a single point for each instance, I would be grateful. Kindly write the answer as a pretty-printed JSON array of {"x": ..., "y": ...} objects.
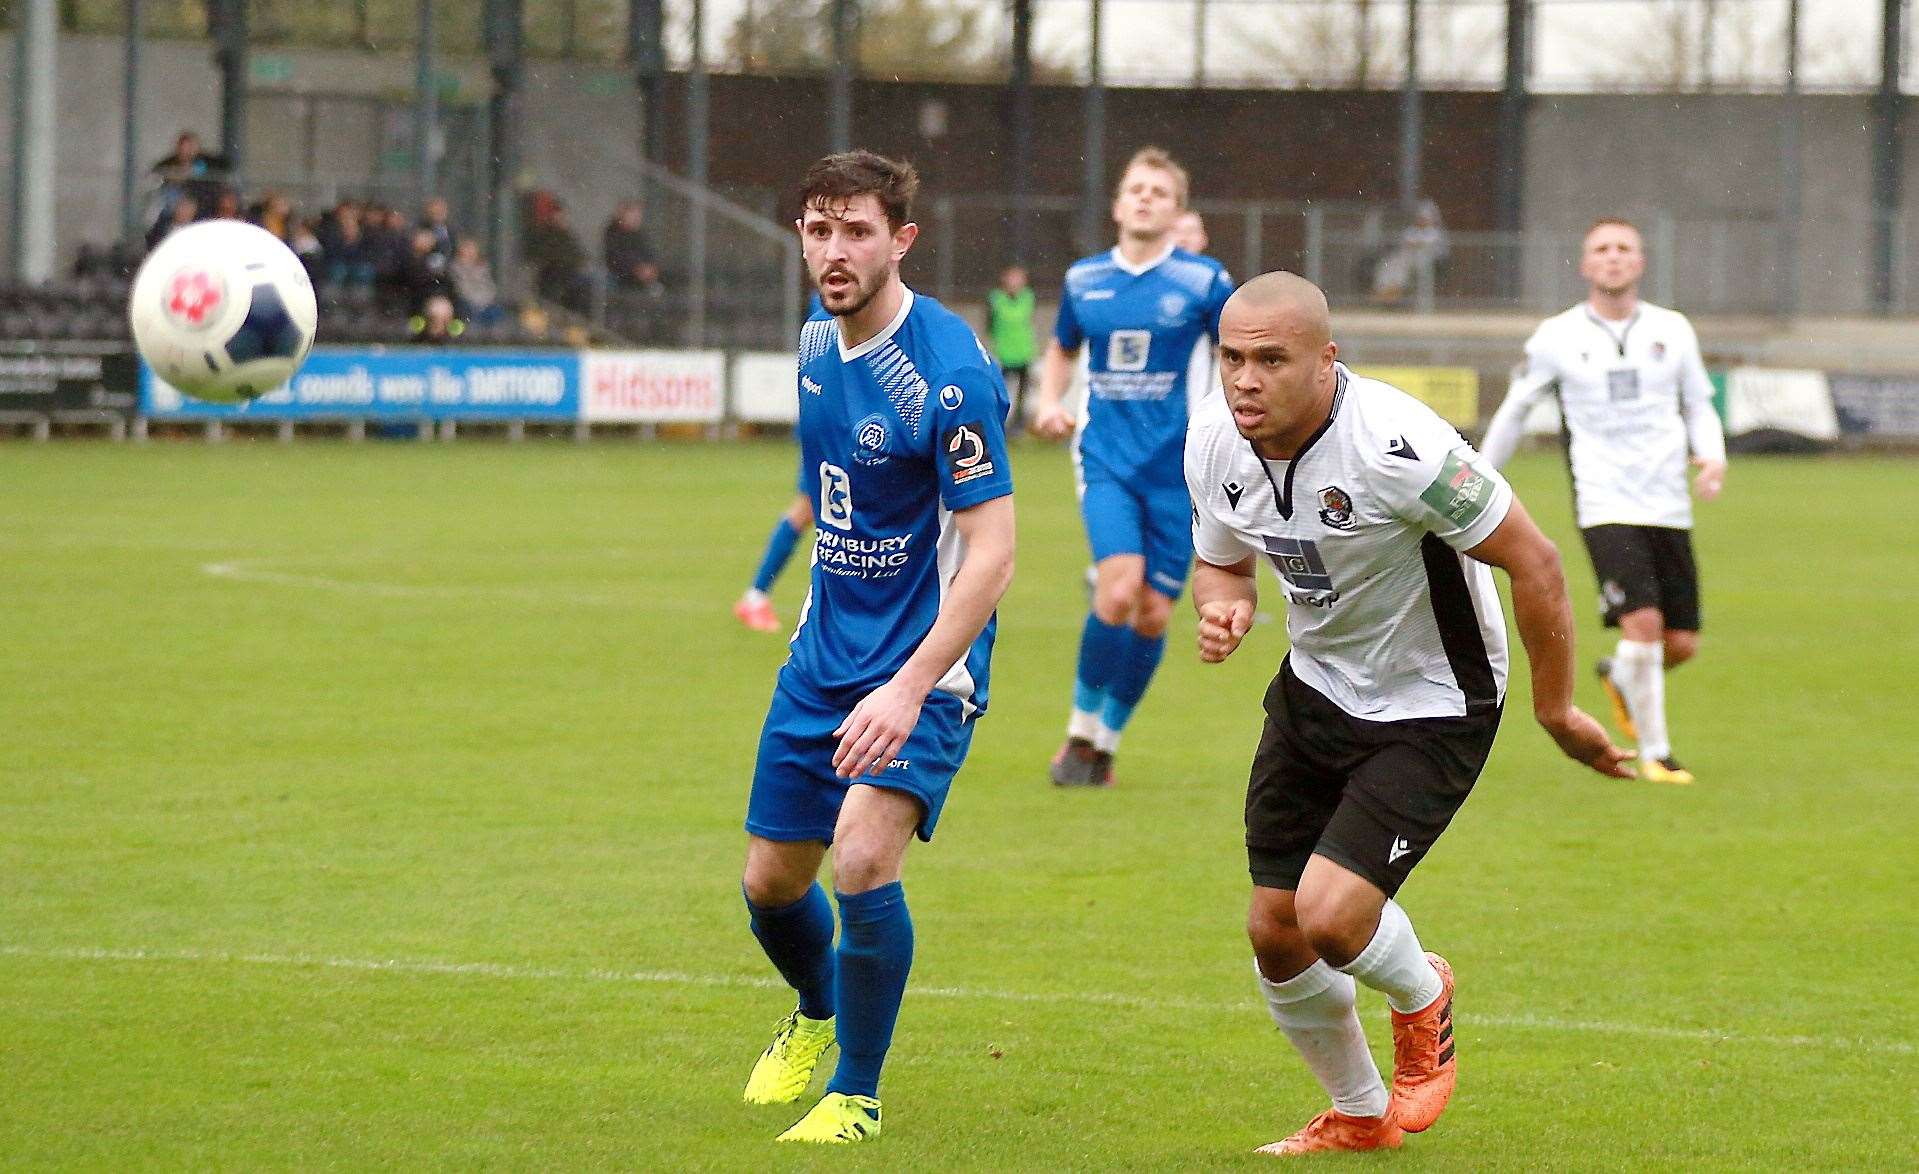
[{"x": 730, "y": 277}]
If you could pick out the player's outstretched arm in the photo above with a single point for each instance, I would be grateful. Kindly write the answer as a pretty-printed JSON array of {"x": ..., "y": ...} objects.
[
  {"x": 1051, "y": 419},
  {"x": 1545, "y": 619},
  {"x": 879, "y": 725},
  {"x": 1225, "y": 598}
]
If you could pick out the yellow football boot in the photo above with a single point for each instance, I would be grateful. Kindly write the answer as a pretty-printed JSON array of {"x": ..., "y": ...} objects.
[
  {"x": 838, "y": 1119},
  {"x": 785, "y": 1068}
]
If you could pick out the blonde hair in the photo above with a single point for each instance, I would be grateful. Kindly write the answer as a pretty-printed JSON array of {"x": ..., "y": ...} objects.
[{"x": 1157, "y": 157}]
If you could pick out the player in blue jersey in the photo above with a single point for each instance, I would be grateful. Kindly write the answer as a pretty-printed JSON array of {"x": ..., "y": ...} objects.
[
  {"x": 903, "y": 454},
  {"x": 1139, "y": 309}
]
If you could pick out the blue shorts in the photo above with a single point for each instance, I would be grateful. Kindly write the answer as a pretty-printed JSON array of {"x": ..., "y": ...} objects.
[
  {"x": 796, "y": 795},
  {"x": 1156, "y": 523}
]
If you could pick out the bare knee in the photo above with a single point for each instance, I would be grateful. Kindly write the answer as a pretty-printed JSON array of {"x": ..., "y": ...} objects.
[
  {"x": 1681, "y": 647},
  {"x": 1278, "y": 946},
  {"x": 1337, "y": 931},
  {"x": 1643, "y": 625},
  {"x": 1116, "y": 597},
  {"x": 1154, "y": 613},
  {"x": 862, "y": 863},
  {"x": 777, "y": 875}
]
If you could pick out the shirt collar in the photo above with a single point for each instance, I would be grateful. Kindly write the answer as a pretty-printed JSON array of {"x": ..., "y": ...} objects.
[
  {"x": 1120, "y": 260},
  {"x": 877, "y": 341}
]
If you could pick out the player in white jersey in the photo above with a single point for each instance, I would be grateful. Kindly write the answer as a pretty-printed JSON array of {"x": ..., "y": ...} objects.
[
  {"x": 1382, "y": 523},
  {"x": 1635, "y": 403}
]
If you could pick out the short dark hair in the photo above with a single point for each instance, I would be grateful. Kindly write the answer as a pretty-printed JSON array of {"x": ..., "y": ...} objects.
[
  {"x": 839, "y": 179},
  {"x": 1608, "y": 221}
]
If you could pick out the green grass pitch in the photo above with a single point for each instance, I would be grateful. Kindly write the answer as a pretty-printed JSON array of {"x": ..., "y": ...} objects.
[{"x": 378, "y": 807}]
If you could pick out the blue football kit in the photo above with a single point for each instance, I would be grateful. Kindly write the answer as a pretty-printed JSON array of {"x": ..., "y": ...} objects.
[
  {"x": 895, "y": 436},
  {"x": 1140, "y": 325}
]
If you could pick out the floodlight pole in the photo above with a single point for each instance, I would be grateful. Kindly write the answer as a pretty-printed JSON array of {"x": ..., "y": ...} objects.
[
  {"x": 1093, "y": 181},
  {"x": 646, "y": 51},
  {"x": 36, "y": 33},
  {"x": 1021, "y": 84},
  {"x": 506, "y": 58},
  {"x": 1791, "y": 172},
  {"x": 840, "y": 100},
  {"x": 426, "y": 113},
  {"x": 1409, "y": 116},
  {"x": 230, "y": 55},
  {"x": 130, "y": 123},
  {"x": 1888, "y": 105},
  {"x": 697, "y": 115}
]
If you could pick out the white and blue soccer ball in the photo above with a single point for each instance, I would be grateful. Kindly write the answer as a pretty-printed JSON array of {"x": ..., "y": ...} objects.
[{"x": 223, "y": 311}]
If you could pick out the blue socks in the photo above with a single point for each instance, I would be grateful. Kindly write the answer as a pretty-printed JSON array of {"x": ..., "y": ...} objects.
[
  {"x": 876, "y": 951},
  {"x": 799, "y": 940},
  {"x": 1142, "y": 658},
  {"x": 779, "y": 548},
  {"x": 1102, "y": 658}
]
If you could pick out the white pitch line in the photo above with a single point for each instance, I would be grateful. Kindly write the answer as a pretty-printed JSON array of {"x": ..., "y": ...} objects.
[{"x": 1102, "y": 998}]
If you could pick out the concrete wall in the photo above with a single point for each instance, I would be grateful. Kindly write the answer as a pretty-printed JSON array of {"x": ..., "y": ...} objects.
[
  {"x": 1707, "y": 163},
  {"x": 1716, "y": 158}
]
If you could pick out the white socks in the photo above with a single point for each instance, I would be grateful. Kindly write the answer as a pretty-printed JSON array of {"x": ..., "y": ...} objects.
[
  {"x": 1092, "y": 727},
  {"x": 1639, "y": 672},
  {"x": 1394, "y": 964},
  {"x": 1315, "y": 1010}
]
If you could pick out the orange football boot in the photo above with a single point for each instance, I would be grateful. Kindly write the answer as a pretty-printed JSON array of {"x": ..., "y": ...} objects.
[
  {"x": 1424, "y": 1067},
  {"x": 1334, "y": 1130}
]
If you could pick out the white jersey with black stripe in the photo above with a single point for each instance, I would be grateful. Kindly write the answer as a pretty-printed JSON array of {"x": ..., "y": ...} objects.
[
  {"x": 1366, "y": 525},
  {"x": 1635, "y": 400}
]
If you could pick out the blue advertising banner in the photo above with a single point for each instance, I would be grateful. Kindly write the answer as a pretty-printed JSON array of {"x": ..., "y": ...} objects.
[
  {"x": 1877, "y": 405},
  {"x": 403, "y": 383}
]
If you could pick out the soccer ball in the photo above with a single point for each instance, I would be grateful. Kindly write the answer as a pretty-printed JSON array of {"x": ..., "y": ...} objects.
[{"x": 223, "y": 311}]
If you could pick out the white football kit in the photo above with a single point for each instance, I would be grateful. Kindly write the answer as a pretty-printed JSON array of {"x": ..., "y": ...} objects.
[
  {"x": 1635, "y": 399},
  {"x": 1366, "y": 525}
]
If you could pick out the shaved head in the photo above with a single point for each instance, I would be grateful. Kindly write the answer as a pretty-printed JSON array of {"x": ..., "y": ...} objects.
[
  {"x": 1287, "y": 303},
  {"x": 1276, "y": 357}
]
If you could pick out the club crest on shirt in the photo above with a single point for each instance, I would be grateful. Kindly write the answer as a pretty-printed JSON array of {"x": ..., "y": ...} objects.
[
  {"x": 869, "y": 440},
  {"x": 1171, "y": 307},
  {"x": 1336, "y": 508},
  {"x": 1658, "y": 351}
]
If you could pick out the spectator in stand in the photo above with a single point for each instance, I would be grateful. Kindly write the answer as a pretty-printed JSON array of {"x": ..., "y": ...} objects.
[
  {"x": 274, "y": 212},
  {"x": 305, "y": 244},
  {"x": 423, "y": 274},
  {"x": 389, "y": 245},
  {"x": 184, "y": 211},
  {"x": 558, "y": 259},
  {"x": 629, "y": 254},
  {"x": 474, "y": 293},
  {"x": 433, "y": 218},
  {"x": 1422, "y": 246},
  {"x": 436, "y": 324},
  {"x": 226, "y": 205},
  {"x": 189, "y": 171},
  {"x": 349, "y": 257}
]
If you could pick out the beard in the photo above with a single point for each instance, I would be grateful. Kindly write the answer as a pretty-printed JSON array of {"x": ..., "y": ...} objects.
[{"x": 850, "y": 300}]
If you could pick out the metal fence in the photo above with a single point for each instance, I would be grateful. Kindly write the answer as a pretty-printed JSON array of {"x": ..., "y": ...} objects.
[{"x": 729, "y": 276}]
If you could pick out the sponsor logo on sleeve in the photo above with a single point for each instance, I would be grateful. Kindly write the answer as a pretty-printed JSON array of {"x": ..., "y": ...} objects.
[
  {"x": 951, "y": 397},
  {"x": 1402, "y": 448},
  {"x": 1336, "y": 508},
  {"x": 1460, "y": 493},
  {"x": 1233, "y": 491},
  {"x": 966, "y": 458}
]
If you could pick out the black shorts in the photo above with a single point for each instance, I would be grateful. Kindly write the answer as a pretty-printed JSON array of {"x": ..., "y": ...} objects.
[
  {"x": 1645, "y": 566},
  {"x": 1370, "y": 796}
]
